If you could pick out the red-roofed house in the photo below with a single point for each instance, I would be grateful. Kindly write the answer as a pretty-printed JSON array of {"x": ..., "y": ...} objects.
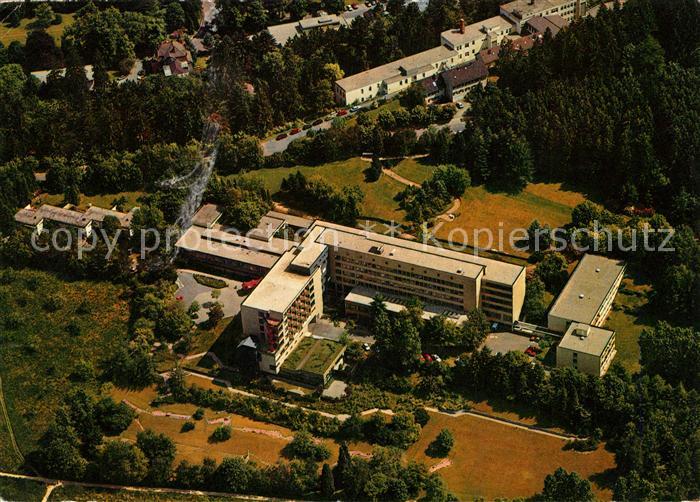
[{"x": 173, "y": 58}]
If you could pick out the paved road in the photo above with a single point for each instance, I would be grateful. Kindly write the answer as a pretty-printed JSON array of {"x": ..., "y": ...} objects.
[{"x": 273, "y": 146}]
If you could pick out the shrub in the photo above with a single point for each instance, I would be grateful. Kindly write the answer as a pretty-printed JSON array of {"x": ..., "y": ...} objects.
[
  {"x": 211, "y": 282},
  {"x": 305, "y": 447},
  {"x": 220, "y": 434},
  {"x": 422, "y": 417},
  {"x": 187, "y": 426},
  {"x": 198, "y": 414},
  {"x": 442, "y": 444}
]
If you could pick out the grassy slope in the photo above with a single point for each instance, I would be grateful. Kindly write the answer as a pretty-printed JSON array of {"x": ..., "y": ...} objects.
[
  {"x": 414, "y": 170},
  {"x": 9, "y": 35},
  {"x": 629, "y": 316},
  {"x": 379, "y": 195},
  {"x": 491, "y": 460},
  {"x": 549, "y": 203},
  {"x": 37, "y": 358}
]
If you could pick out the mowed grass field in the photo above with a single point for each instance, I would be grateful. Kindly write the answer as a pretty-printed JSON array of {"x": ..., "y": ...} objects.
[
  {"x": 19, "y": 34},
  {"x": 491, "y": 460},
  {"x": 628, "y": 318},
  {"x": 379, "y": 195},
  {"x": 549, "y": 203},
  {"x": 414, "y": 169},
  {"x": 38, "y": 356},
  {"x": 259, "y": 441}
]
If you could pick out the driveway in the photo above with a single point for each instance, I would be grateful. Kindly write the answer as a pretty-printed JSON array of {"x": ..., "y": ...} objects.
[
  {"x": 272, "y": 146},
  {"x": 190, "y": 290},
  {"x": 503, "y": 342}
]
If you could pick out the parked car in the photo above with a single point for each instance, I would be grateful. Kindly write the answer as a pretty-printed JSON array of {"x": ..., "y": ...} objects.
[
  {"x": 342, "y": 112},
  {"x": 437, "y": 358},
  {"x": 281, "y": 136},
  {"x": 354, "y": 6},
  {"x": 296, "y": 130},
  {"x": 534, "y": 338},
  {"x": 355, "y": 109},
  {"x": 317, "y": 122},
  {"x": 348, "y": 8},
  {"x": 365, "y": 347},
  {"x": 306, "y": 127},
  {"x": 530, "y": 352},
  {"x": 428, "y": 357}
]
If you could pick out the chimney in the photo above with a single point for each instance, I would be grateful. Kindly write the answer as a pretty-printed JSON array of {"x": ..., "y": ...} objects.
[{"x": 461, "y": 26}]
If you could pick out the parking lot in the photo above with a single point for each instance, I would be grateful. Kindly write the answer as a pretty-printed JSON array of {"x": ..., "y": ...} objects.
[
  {"x": 503, "y": 342},
  {"x": 189, "y": 290}
]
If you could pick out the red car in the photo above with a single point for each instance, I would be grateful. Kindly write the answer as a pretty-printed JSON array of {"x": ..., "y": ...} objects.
[
  {"x": 295, "y": 131},
  {"x": 342, "y": 112},
  {"x": 281, "y": 136},
  {"x": 428, "y": 357}
]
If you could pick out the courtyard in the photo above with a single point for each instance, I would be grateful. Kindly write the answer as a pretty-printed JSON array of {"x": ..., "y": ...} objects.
[{"x": 189, "y": 290}]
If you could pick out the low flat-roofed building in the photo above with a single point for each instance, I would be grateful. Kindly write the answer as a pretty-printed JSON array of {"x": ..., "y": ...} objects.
[
  {"x": 98, "y": 214},
  {"x": 587, "y": 348},
  {"x": 295, "y": 222},
  {"x": 206, "y": 216},
  {"x": 588, "y": 295},
  {"x": 358, "y": 304},
  {"x": 266, "y": 228},
  {"x": 39, "y": 218},
  {"x": 232, "y": 253}
]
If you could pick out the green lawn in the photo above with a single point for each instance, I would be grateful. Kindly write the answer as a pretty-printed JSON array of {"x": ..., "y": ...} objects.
[
  {"x": 21, "y": 489},
  {"x": 321, "y": 354},
  {"x": 629, "y": 316},
  {"x": 102, "y": 200},
  {"x": 379, "y": 195},
  {"x": 414, "y": 169},
  {"x": 38, "y": 356},
  {"x": 19, "y": 34}
]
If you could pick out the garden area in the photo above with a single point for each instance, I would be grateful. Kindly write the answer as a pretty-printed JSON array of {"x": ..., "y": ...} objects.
[{"x": 55, "y": 334}]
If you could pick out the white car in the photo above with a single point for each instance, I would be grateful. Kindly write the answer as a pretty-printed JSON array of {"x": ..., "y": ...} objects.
[
  {"x": 354, "y": 109},
  {"x": 365, "y": 347},
  {"x": 436, "y": 358}
]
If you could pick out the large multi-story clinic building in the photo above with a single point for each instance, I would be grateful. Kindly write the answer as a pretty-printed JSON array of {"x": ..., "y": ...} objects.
[
  {"x": 458, "y": 46},
  {"x": 356, "y": 266}
]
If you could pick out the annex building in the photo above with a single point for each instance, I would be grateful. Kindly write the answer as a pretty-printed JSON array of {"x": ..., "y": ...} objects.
[
  {"x": 459, "y": 47},
  {"x": 356, "y": 266},
  {"x": 47, "y": 216},
  {"x": 580, "y": 311}
]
